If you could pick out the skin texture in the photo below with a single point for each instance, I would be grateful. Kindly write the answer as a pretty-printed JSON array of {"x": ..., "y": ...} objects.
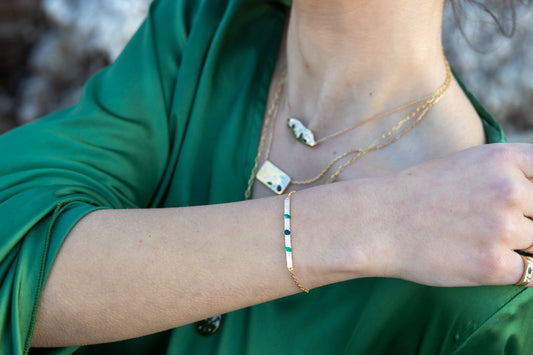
[{"x": 448, "y": 214}]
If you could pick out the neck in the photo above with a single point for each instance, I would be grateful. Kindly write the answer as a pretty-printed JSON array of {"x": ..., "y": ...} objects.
[{"x": 360, "y": 56}]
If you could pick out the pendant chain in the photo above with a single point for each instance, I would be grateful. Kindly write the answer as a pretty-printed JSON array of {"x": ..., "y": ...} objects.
[
  {"x": 418, "y": 114},
  {"x": 421, "y": 111},
  {"x": 369, "y": 120},
  {"x": 272, "y": 112}
]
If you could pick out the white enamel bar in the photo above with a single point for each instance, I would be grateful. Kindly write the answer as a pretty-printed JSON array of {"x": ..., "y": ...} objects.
[
  {"x": 289, "y": 260},
  {"x": 288, "y": 254},
  {"x": 288, "y": 241}
]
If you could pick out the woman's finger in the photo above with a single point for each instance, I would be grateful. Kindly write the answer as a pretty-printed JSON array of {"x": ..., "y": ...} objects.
[{"x": 523, "y": 235}]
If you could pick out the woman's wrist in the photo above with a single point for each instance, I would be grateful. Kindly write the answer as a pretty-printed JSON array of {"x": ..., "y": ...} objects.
[{"x": 335, "y": 232}]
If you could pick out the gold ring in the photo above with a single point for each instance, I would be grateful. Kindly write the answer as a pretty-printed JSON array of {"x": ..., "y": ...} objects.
[{"x": 528, "y": 272}]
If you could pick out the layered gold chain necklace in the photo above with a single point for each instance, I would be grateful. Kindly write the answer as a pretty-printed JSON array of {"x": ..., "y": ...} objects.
[
  {"x": 277, "y": 180},
  {"x": 307, "y": 137}
]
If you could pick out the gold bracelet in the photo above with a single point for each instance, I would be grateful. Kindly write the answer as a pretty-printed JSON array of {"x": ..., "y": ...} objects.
[{"x": 288, "y": 247}]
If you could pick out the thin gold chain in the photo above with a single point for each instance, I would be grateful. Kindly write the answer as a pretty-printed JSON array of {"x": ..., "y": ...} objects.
[
  {"x": 300, "y": 286},
  {"x": 273, "y": 121},
  {"x": 272, "y": 112},
  {"x": 360, "y": 151},
  {"x": 369, "y": 120},
  {"x": 421, "y": 111}
]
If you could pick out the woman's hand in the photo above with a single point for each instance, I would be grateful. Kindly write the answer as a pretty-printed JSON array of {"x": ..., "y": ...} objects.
[
  {"x": 449, "y": 222},
  {"x": 456, "y": 221}
]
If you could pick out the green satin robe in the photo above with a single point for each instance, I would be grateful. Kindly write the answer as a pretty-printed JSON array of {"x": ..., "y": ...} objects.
[{"x": 175, "y": 122}]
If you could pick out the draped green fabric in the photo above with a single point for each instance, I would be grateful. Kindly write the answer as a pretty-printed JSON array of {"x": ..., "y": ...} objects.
[{"x": 175, "y": 121}]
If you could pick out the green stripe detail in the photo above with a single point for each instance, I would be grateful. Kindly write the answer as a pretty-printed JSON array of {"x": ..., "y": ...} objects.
[
  {"x": 287, "y": 249},
  {"x": 288, "y": 216}
]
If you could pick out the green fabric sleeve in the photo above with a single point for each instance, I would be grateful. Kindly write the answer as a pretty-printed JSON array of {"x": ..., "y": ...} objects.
[
  {"x": 508, "y": 331},
  {"x": 109, "y": 151}
]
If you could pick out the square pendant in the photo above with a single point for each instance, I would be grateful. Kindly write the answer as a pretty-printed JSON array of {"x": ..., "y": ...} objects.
[{"x": 273, "y": 177}]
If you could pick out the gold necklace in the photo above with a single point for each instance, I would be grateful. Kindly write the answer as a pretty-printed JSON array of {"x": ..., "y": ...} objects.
[
  {"x": 272, "y": 111},
  {"x": 421, "y": 111},
  {"x": 277, "y": 180},
  {"x": 307, "y": 136}
]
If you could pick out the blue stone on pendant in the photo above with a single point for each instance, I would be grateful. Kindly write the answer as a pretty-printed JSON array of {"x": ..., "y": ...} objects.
[{"x": 273, "y": 177}]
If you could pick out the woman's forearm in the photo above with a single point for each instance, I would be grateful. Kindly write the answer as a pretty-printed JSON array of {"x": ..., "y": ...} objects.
[
  {"x": 449, "y": 222},
  {"x": 126, "y": 273}
]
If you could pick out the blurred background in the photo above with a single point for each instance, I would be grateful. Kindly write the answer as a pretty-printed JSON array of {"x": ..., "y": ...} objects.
[{"x": 49, "y": 48}]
